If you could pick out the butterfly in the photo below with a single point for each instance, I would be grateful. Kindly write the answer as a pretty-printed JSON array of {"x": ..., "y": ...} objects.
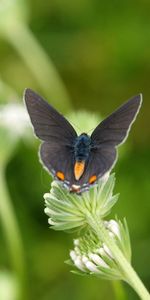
[{"x": 79, "y": 161}]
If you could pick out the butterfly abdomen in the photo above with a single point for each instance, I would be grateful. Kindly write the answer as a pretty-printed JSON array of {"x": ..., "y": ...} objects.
[{"x": 81, "y": 154}]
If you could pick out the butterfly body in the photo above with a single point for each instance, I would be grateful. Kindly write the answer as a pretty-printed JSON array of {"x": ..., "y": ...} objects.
[
  {"x": 79, "y": 161},
  {"x": 82, "y": 147}
]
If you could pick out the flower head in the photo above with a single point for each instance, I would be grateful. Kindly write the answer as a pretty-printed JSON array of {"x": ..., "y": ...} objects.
[
  {"x": 92, "y": 256},
  {"x": 91, "y": 253},
  {"x": 68, "y": 211}
]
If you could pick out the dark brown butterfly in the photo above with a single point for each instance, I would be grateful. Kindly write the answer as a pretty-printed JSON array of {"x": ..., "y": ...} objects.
[{"x": 79, "y": 161}]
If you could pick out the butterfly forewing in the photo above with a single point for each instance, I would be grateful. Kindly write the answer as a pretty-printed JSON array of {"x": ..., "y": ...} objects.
[
  {"x": 49, "y": 125},
  {"x": 114, "y": 129},
  {"x": 108, "y": 134}
]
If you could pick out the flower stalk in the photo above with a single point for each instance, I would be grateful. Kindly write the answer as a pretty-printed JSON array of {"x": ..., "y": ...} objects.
[
  {"x": 40, "y": 65},
  {"x": 13, "y": 236},
  {"x": 130, "y": 275},
  {"x": 10, "y": 132}
]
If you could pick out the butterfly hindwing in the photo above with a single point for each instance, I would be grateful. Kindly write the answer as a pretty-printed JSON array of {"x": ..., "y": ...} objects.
[
  {"x": 58, "y": 160},
  {"x": 99, "y": 163}
]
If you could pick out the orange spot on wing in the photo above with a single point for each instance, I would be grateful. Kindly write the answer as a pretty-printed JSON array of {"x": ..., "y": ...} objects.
[
  {"x": 60, "y": 175},
  {"x": 79, "y": 169},
  {"x": 92, "y": 179}
]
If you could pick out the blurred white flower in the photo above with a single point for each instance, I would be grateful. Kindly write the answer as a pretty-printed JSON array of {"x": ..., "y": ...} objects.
[
  {"x": 14, "y": 118},
  {"x": 8, "y": 286}
]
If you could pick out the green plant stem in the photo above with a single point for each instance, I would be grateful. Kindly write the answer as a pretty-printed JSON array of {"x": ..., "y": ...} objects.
[
  {"x": 129, "y": 273},
  {"x": 119, "y": 290},
  {"x": 12, "y": 234},
  {"x": 40, "y": 64}
]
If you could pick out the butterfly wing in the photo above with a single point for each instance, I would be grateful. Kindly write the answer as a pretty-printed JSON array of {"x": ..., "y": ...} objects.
[
  {"x": 115, "y": 128},
  {"x": 58, "y": 161},
  {"x": 56, "y": 132},
  {"x": 99, "y": 163},
  {"x": 108, "y": 134},
  {"x": 49, "y": 124}
]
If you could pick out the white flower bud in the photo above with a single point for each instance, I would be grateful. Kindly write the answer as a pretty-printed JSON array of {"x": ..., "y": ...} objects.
[
  {"x": 114, "y": 227},
  {"x": 106, "y": 223},
  {"x": 76, "y": 242},
  {"x": 73, "y": 255},
  {"x": 51, "y": 222},
  {"x": 79, "y": 264},
  {"x": 47, "y": 211},
  {"x": 46, "y": 196},
  {"x": 84, "y": 259},
  {"x": 98, "y": 260},
  {"x": 77, "y": 250},
  {"x": 111, "y": 234},
  {"x": 108, "y": 252},
  {"x": 92, "y": 267},
  {"x": 101, "y": 251}
]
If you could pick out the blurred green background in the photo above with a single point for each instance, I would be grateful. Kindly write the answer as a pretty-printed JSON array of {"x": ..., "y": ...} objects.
[{"x": 81, "y": 55}]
